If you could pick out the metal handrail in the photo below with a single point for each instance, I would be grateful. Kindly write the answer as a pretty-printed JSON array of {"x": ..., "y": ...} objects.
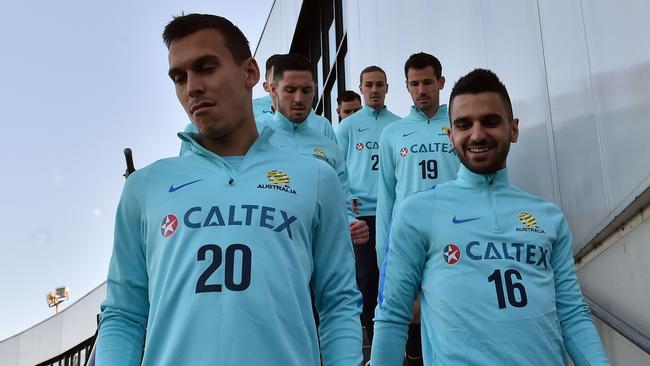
[{"x": 621, "y": 327}]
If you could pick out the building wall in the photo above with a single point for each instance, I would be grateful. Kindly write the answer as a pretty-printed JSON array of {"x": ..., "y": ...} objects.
[
  {"x": 579, "y": 77},
  {"x": 578, "y": 73},
  {"x": 55, "y": 335}
]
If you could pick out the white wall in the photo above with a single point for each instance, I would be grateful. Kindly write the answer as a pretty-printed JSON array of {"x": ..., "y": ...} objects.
[
  {"x": 579, "y": 77},
  {"x": 55, "y": 335}
]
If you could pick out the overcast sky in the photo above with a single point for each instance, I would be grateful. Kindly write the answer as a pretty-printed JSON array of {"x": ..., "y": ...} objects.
[{"x": 81, "y": 81}]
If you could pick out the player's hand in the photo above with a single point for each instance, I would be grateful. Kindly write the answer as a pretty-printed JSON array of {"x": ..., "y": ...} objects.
[{"x": 359, "y": 232}]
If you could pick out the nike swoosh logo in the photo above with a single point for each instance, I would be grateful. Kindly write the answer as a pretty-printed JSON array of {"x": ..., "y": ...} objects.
[
  {"x": 407, "y": 134},
  {"x": 174, "y": 189},
  {"x": 363, "y": 129},
  {"x": 460, "y": 221}
]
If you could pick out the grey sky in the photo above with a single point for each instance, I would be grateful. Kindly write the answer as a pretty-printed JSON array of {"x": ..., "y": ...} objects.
[{"x": 82, "y": 80}]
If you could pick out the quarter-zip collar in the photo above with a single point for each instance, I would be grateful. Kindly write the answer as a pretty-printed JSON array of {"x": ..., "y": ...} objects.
[
  {"x": 279, "y": 121},
  {"x": 374, "y": 113},
  {"x": 417, "y": 114},
  {"x": 468, "y": 178},
  {"x": 262, "y": 142}
]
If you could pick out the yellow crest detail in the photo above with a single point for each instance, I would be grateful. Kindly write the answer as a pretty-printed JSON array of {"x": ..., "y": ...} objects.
[
  {"x": 445, "y": 130},
  {"x": 278, "y": 178},
  {"x": 527, "y": 219},
  {"x": 320, "y": 152}
]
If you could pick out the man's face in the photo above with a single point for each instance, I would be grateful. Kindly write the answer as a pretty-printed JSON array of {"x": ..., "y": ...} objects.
[
  {"x": 373, "y": 88},
  {"x": 481, "y": 131},
  {"x": 424, "y": 87},
  {"x": 212, "y": 88},
  {"x": 346, "y": 109},
  {"x": 294, "y": 94}
]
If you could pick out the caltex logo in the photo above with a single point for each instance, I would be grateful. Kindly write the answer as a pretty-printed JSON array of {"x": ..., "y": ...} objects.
[
  {"x": 403, "y": 151},
  {"x": 168, "y": 226},
  {"x": 359, "y": 146},
  {"x": 451, "y": 254}
]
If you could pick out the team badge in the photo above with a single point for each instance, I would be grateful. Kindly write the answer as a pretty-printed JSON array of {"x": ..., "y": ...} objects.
[
  {"x": 278, "y": 178},
  {"x": 279, "y": 181},
  {"x": 530, "y": 223},
  {"x": 451, "y": 254},
  {"x": 403, "y": 151},
  {"x": 445, "y": 131},
  {"x": 168, "y": 225},
  {"x": 528, "y": 220},
  {"x": 359, "y": 146}
]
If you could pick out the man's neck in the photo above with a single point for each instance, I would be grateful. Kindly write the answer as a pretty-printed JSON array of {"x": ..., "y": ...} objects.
[
  {"x": 235, "y": 143},
  {"x": 431, "y": 112}
]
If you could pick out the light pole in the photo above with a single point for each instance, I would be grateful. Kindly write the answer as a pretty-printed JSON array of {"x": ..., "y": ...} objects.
[{"x": 59, "y": 295}]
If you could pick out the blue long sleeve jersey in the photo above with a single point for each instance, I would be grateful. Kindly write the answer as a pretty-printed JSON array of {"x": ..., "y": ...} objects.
[
  {"x": 262, "y": 107},
  {"x": 494, "y": 269},
  {"x": 216, "y": 264},
  {"x": 301, "y": 138},
  {"x": 414, "y": 154},
  {"x": 358, "y": 139}
]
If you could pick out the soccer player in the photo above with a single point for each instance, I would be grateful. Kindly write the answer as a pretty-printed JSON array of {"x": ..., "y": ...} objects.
[
  {"x": 358, "y": 139},
  {"x": 215, "y": 251},
  {"x": 293, "y": 89},
  {"x": 493, "y": 264},
  {"x": 414, "y": 154},
  {"x": 348, "y": 103},
  {"x": 318, "y": 123}
]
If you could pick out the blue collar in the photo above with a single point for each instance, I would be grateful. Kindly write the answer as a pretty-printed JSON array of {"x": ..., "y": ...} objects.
[
  {"x": 417, "y": 114},
  {"x": 192, "y": 138},
  {"x": 281, "y": 122},
  {"x": 374, "y": 112},
  {"x": 468, "y": 178}
]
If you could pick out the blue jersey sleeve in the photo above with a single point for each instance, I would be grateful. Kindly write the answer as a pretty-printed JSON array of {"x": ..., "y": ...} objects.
[
  {"x": 333, "y": 279},
  {"x": 328, "y": 131},
  {"x": 344, "y": 181},
  {"x": 385, "y": 194},
  {"x": 343, "y": 139},
  {"x": 399, "y": 281},
  {"x": 580, "y": 337},
  {"x": 125, "y": 310}
]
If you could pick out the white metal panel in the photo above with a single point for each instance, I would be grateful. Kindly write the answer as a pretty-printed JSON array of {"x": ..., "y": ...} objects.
[
  {"x": 9, "y": 352},
  {"x": 55, "y": 335},
  {"x": 619, "y": 350},
  {"x": 386, "y": 35},
  {"x": 40, "y": 343},
  {"x": 514, "y": 51},
  {"x": 617, "y": 279},
  {"x": 80, "y": 321},
  {"x": 619, "y": 55},
  {"x": 575, "y": 129}
]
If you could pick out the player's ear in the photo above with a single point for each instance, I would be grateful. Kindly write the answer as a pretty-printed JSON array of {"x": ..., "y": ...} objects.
[
  {"x": 251, "y": 72},
  {"x": 514, "y": 130},
  {"x": 441, "y": 82}
]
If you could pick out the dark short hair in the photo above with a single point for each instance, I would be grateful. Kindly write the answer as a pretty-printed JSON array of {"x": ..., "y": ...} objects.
[
  {"x": 372, "y": 68},
  {"x": 420, "y": 61},
  {"x": 291, "y": 62},
  {"x": 269, "y": 64},
  {"x": 481, "y": 81},
  {"x": 347, "y": 96},
  {"x": 184, "y": 25}
]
